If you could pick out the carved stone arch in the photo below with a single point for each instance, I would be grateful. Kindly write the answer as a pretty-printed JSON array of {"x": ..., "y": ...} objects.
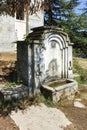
[
  {"x": 65, "y": 39},
  {"x": 59, "y": 34},
  {"x": 57, "y": 38}
]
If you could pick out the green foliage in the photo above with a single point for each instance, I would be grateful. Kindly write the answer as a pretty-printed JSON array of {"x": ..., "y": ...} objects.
[
  {"x": 82, "y": 78},
  {"x": 10, "y": 84},
  {"x": 64, "y": 16},
  {"x": 61, "y": 10},
  {"x": 39, "y": 98},
  {"x": 19, "y": 82},
  {"x": 80, "y": 41}
]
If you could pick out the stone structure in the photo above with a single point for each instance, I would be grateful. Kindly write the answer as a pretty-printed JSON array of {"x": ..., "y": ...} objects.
[
  {"x": 13, "y": 29},
  {"x": 64, "y": 89},
  {"x": 46, "y": 53},
  {"x": 13, "y": 92}
]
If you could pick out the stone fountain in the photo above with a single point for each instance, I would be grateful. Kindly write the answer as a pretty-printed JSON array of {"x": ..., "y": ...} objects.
[{"x": 45, "y": 58}]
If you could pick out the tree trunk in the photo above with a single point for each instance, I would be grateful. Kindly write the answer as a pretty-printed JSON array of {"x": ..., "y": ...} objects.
[
  {"x": 27, "y": 21},
  {"x": 49, "y": 16}
]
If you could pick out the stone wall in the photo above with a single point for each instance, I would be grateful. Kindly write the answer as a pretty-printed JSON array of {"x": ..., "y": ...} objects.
[
  {"x": 46, "y": 53},
  {"x": 22, "y": 62},
  {"x": 13, "y": 92}
]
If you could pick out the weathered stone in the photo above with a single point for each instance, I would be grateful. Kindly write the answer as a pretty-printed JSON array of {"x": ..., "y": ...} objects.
[
  {"x": 46, "y": 53},
  {"x": 15, "y": 92},
  {"x": 45, "y": 58},
  {"x": 61, "y": 92}
]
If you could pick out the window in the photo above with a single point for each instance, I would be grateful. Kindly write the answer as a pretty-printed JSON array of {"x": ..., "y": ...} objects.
[{"x": 20, "y": 13}]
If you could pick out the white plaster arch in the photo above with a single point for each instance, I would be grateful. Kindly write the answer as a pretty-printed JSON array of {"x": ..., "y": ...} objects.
[{"x": 60, "y": 39}]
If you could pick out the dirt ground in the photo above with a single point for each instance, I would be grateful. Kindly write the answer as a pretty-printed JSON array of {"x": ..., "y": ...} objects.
[
  {"x": 7, "y": 62},
  {"x": 8, "y": 56},
  {"x": 7, "y": 67},
  {"x": 78, "y": 116},
  {"x": 6, "y": 123}
]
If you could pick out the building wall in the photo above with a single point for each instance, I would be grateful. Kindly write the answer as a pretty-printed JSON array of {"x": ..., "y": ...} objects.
[
  {"x": 7, "y": 33},
  {"x": 12, "y": 30},
  {"x": 36, "y": 20},
  {"x": 20, "y": 29}
]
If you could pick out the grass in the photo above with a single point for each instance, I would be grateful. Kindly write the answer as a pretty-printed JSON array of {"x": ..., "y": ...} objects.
[
  {"x": 10, "y": 84},
  {"x": 82, "y": 62},
  {"x": 39, "y": 98},
  {"x": 23, "y": 103},
  {"x": 81, "y": 69}
]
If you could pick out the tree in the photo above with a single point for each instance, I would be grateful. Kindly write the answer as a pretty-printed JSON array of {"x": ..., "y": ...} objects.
[
  {"x": 20, "y": 6},
  {"x": 3, "y": 7},
  {"x": 63, "y": 15},
  {"x": 85, "y": 8},
  {"x": 61, "y": 10}
]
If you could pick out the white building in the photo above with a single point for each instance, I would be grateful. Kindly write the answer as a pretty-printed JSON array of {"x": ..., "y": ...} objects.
[{"x": 13, "y": 29}]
